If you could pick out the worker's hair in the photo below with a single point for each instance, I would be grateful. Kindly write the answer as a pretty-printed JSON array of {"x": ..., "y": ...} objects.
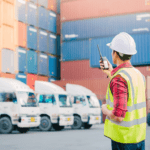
[{"x": 124, "y": 57}]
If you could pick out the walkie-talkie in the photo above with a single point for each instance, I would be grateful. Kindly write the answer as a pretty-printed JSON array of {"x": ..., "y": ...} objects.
[{"x": 104, "y": 60}]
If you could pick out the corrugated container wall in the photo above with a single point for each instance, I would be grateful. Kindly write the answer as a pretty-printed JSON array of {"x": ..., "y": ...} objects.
[
  {"x": 52, "y": 66},
  {"x": 22, "y": 77},
  {"x": 142, "y": 45},
  {"x": 58, "y": 25},
  {"x": 42, "y": 78},
  {"x": 7, "y": 75},
  {"x": 31, "y": 80},
  {"x": 83, "y": 9},
  {"x": 58, "y": 67},
  {"x": 58, "y": 6},
  {"x": 58, "y": 45},
  {"x": 75, "y": 50},
  {"x": 32, "y": 14},
  {"x": 52, "y": 5},
  {"x": 108, "y": 26},
  {"x": 42, "y": 64},
  {"x": 52, "y": 44},
  {"x": 43, "y": 3},
  {"x": 31, "y": 37},
  {"x": 32, "y": 62}
]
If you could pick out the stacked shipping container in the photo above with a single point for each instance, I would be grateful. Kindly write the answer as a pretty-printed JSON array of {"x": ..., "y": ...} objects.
[
  {"x": 28, "y": 40},
  {"x": 87, "y": 23}
]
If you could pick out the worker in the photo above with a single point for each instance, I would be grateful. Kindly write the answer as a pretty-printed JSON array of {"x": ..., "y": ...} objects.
[{"x": 125, "y": 107}]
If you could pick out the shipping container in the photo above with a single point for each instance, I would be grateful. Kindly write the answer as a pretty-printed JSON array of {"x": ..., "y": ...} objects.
[
  {"x": 58, "y": 25},
  {"x": 32, "y": 62},
  {"x": 42, "y": 18},
  {"x": 79, "y": 70},
  {"x": 58, "y": 68},
  {"x": 20, "y": 34},
  {"x": 58, "y": 6},
  {"x": 75, "y": 50},
  {"x": 42, "y": 78},
  {"x": 31, "y": 78},
  {"x": 106, "y": 26},
  {"x": 33, "y": 1},
  {"x": 7, "y": 61},
  {"x": 31, "y": 14},
  {"x": 42, "y": 41},
  {"x": 52, "y": 44},
  {"x": 52, "y": 5},
  {"x": 7, "y": 37},
  {"x": 52, "y": 66},
  {"x": 52, "y": 22},
  {"x": 21, "y": 57},
  {"x": 142, "y": 45},
  {"x": 20, "y": 10},
  {"x": 42, "y": 64},
  {"x": 22, "y": 77},
  {"x": 51, "y": 79},
  {"x": 31, "y": 37},
  {"x": 58, "y": 45},
  {"x": 43, "y": 3},
  {"x": 83, "y": 9},
  {"x": 6, "y": 13},
  {"x": 148, "y": 88},
  {"x": 7, "y": 75}
]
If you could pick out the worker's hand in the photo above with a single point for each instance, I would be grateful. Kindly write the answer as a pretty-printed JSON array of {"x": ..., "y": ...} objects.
[
  {"x": 104, "y": 109},
  {"x": 108, "y": 72}
]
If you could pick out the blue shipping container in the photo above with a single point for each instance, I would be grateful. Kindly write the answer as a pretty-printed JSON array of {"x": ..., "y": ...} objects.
[
  {"x": 75, "y": 50},
  {"x": 42, "y": 18},
  {"x": 58, "y": 45},
  {"x": 58, "y": 6},
  {"x": 20, "y": 10},
  {"x": 52, "y": 44},
  {"x": 142, "y": 45},
  {"x": 42, "y": 41},
  {"x": 106, "y": 26},
  {"x": 42, "y": 64},
  {"x": 21, "y": 77},
  {"x": 52, "y": 66},
  {"x": 32, "y": 62},
  {"x": 43, "y": 3},
  {"x": 31, "y": 38},
  {"x": 32, "y": 14},
  {"x": 52, "y": 22},
  {"x": 22, "y": 57},
  {"x": 51, "y": 79},
  {"x": 58, "y": 67}
]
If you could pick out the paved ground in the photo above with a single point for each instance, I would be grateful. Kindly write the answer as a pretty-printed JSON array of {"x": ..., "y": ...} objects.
[{"x": 66, "y": 139}]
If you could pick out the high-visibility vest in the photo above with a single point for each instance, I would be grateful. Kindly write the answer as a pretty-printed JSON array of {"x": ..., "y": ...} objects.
[{"x": 133, "y": 127}]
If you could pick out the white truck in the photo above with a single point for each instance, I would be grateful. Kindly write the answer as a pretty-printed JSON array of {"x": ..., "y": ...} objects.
[
  {"x": 18, "y": 106},
  {"x": 86, "y": 106},
  {"x": 55, "y": 107}
]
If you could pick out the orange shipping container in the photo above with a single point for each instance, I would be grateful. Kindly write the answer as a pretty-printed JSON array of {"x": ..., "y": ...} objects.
[
  {"x": 7, "y": 75},
  {"x": 20, "y": 34},
  {"x": 7, "y": 37},
  {"x": 52, "y": 5},
  {"x": 58, "y": 25},
  {"x": 6, "y": 13},
  {"x": 31, "y": 80},
  {"x": 42, "y": 78},
  {"x": 83, "y": 9}
]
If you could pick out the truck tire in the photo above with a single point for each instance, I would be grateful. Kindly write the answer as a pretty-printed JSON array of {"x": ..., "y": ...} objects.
[
  {"x": 45, "y": 124},
  {"x": 23, "y": 130},
  {"x": 87, "y": 126},
  {"x": 148, "y": 119},
  {"x": 77, "y": 123},
  {"x": 57, "y": 127},
  {"x": 5, "y": 125}
]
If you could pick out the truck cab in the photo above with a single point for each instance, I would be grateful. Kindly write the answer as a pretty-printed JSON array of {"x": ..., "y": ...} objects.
[
  {"x": 55, "y": 107},
  {"x": 86, "y": 106},
  {"x": 18, "y": 106}
]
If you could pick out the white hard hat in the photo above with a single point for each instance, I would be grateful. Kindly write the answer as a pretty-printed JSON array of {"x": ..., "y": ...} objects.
[{"x": 123, "y": 43}]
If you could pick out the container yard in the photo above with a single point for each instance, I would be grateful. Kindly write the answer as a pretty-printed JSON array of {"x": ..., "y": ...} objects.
[{"x": 50, "y": 65}]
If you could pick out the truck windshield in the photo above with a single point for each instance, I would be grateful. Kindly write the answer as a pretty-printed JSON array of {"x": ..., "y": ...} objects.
[
  {"x": 48, "y": 98},
  {"x": 64, "y": 101},
  {"x": 27, "y": 99},
  {"x": 79, "y": 100},
  {"x": 93, "y": 102},
  {"x": 8, "y": 97}
]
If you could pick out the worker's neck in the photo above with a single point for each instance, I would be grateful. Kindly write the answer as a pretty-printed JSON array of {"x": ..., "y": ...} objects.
[{"x": 120, "y": 62}]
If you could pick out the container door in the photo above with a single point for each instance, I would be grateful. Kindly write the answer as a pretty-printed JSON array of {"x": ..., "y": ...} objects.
[
  {"x": 22, "y": 77},
  {"x": 58, "y": 45},
  {"x": 52, "y": 66},
  {"x": 58, "y": 68},
  {"x": 52, "y": 44},
  {"x": 52, "y": 21}
]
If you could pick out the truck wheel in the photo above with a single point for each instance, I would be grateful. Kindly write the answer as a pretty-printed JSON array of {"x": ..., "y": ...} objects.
[
  {"x": 148, "y": 119},
  {"x": 77, "y": 123},
  {"x": 45, "y": 124},
  {"x": 23, "y": 130},
  {"x": 87, "y": 126},
  {"x": 5, "y": 125},
  {"x": 57, "y": 127}
]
